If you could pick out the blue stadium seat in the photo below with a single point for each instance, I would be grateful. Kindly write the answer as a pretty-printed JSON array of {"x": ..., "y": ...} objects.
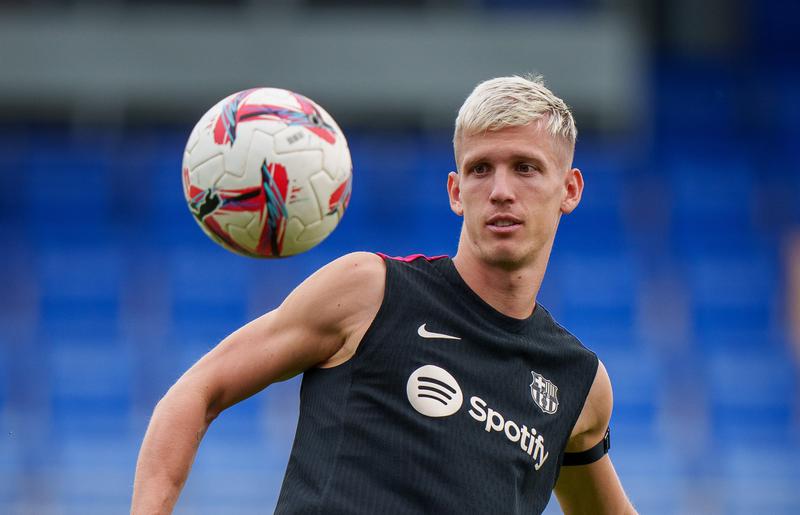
[
  {"x": 80, "y": 288},
  {"x": 14, "y": 166},
  {"x": 596, "y": 226},
  {"x": 208, "y": 286},
  {"x": 752, "y": 388},
  {"x": 168, "y": 218},
  {"x": 598, "y": 294},
  {"x": 384, "y": 166},
  {"x": 67, "y": 190},
  {"x": 91, "y": 385},
  {"x": 734, "y": 299},
  {"x": 760, "y": 477},
  {"x": 94, "y": 473},
  {"x": 695, "y": 101},
  {"x": 713, "y": 202},
  {"x": 637, "y": 377}
]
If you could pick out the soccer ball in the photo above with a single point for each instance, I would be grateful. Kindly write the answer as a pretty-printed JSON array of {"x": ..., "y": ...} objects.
[{"x": 267, "y": 173}]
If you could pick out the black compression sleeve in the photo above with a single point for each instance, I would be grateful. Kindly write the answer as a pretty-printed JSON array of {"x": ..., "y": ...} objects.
[{"x": 589, "y": 455}]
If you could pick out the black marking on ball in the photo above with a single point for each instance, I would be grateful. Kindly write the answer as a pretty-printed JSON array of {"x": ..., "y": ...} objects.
[{"x": 207, "y": 205}]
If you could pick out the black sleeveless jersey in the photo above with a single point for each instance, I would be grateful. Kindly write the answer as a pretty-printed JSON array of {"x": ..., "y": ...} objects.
[{"x": 447, "y": 406}]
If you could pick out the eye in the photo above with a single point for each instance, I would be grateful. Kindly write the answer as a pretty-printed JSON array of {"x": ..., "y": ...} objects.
[
  {"x": 479, "y": 169},
  {"x": 527, "y": 168}
]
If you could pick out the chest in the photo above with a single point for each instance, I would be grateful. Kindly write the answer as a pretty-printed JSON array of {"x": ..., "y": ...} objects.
[{"x": 466, "y": 390}]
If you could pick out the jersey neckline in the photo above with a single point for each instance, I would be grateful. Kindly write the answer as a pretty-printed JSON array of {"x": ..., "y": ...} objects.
[{"x": 448, "y": 270}]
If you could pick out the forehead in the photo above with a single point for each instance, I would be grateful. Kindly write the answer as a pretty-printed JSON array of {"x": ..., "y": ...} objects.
[{"x": 527, "y": 140}]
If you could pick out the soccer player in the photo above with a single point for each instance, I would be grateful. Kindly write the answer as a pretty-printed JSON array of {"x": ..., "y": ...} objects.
[{"x": 431, "y": 385}]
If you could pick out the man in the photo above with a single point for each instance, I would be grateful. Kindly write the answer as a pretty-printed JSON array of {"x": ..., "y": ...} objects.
[{"x": 431, "y": 385}]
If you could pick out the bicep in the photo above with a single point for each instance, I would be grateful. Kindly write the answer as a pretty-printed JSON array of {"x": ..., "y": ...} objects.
[
  {"x": 308, "y": 328},
  {"x": 594, "y": 418},
  {"x": 592, "y": 489}
]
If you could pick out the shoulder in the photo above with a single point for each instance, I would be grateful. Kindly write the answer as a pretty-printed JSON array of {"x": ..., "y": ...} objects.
[
  {"x": 566, "y": 337},
  {"x": 361, "y": 270},
  {"x": 337, "y": 295},
  {"x": 349, "y": 282},
  {"x": 354, "y": 274},
  {"x": 358, "y": 279},
  {"x": 595, "y": 415},
  {"x": 347, "y": 293}
]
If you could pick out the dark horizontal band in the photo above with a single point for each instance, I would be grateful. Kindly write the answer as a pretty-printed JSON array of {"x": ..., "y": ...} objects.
[{"x": 589, "y": 455}]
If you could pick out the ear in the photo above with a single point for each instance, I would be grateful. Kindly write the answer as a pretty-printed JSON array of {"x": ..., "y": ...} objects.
[
  {"x": 454, "y": 192},
  {"x": 573, "y": 187}
]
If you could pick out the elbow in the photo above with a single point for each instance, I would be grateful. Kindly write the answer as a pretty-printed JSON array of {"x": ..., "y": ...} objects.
[
  {"x": 212, "y": 402},
  {"x": 212, "y": 412},
  {"x": 189, "y": 402}
]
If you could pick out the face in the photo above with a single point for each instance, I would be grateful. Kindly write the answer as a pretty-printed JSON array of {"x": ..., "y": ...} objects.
[{"x": 511, "y": 188}]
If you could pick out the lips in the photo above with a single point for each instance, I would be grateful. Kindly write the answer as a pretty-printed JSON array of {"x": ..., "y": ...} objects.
[{"x": 503, "y": 223}]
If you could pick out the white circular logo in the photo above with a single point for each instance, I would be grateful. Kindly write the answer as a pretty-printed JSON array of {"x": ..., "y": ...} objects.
[{"x": 434, "y": 392}]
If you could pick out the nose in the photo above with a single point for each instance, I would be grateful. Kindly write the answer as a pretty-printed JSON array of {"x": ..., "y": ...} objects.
[{"x": 501, "y": 187}]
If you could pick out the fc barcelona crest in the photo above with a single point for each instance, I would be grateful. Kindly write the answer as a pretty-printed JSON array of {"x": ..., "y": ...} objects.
[{"x": 544, "y": 393}]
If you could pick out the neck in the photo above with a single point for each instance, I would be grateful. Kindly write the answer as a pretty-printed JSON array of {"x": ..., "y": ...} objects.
[{"x": 510, "y": 291}]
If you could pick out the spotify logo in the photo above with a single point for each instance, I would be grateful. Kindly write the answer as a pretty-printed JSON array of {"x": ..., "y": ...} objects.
[{"x": 433, "y": 392}]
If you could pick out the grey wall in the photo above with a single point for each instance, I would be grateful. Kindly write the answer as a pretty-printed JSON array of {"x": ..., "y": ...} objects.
[{"x": 98, "y": 63}]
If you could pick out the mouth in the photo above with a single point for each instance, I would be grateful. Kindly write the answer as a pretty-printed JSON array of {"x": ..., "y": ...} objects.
[{"x": 503, "y": 223}]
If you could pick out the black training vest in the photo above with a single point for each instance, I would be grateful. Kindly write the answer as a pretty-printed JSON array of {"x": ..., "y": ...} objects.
[{"x": 447, "y": 406}]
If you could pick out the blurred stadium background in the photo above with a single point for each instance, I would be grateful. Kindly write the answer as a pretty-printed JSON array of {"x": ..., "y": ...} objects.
[{"x": 681, "y": 268}]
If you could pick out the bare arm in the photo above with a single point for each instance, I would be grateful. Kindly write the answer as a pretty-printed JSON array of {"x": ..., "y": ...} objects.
[
  {"x": 593, "y": 488},
  {"x": 319, "y": 324}
]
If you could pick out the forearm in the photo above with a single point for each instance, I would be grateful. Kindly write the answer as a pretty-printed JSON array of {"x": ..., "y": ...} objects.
[{"x": 170, "y": 444}]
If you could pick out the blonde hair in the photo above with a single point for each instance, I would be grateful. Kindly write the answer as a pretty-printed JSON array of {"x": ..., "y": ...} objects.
[{"x": 512, "y": 102}]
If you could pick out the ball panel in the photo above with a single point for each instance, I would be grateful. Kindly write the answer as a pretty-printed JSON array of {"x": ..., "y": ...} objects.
[
  {"x": 249, "y": 173},
  {"x": 236, "y": 155},
  {"x": 217, "y": 233},
  {"x": 207, "y": 174},
  {"x": 246, "y": 234},
  {"x": 318, "y": 231},
  {"x": 292, "y": 246},
  {"x": 330, "y": 162},
  {"x": 331, "y": 195}
]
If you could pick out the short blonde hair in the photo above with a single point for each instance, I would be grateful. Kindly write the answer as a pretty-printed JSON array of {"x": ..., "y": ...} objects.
[{"x": 512, "y": 102}]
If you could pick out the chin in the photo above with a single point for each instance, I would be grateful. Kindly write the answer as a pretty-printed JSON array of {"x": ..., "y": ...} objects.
[{"x": 505, "y": 257}]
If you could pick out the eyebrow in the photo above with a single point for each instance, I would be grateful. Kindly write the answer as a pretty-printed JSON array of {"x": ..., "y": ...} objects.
[
  {"x": 535, "y": 157},
  {"x": 529, "y": 157}
]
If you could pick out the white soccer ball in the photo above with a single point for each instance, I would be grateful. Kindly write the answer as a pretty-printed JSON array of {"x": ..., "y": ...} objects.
[{"x": 267, "y": 173}]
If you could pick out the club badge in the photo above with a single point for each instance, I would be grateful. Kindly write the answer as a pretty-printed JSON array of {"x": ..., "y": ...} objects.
[{"x": 544, "y": 393}]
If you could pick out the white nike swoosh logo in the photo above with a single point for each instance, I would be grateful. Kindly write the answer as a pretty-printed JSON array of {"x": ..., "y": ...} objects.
[{"x": 427, "y": 334}]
